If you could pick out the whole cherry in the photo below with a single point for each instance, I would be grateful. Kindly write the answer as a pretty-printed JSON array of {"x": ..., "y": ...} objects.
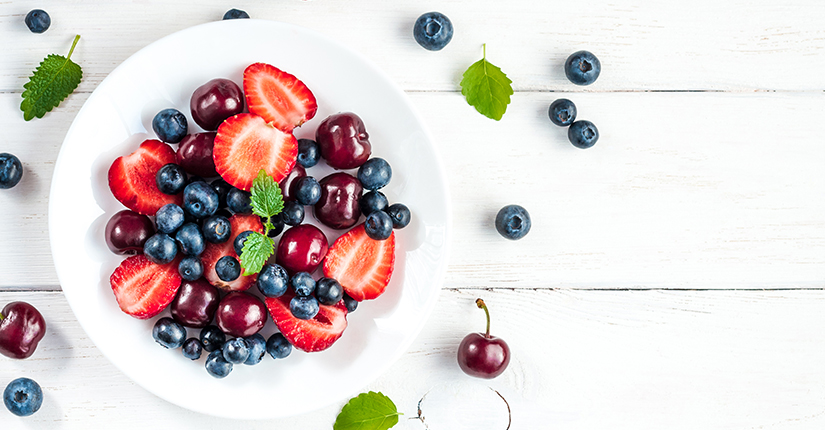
[
  {"x": 482, "y": 355},
  {"x": 21, "y": 328}
]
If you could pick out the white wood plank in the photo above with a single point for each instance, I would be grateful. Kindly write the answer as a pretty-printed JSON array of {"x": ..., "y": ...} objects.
[
  {"x": 698, "y": 190},
  {"x": 580, "y": 360},
  {"x": 703, "y": 44}
]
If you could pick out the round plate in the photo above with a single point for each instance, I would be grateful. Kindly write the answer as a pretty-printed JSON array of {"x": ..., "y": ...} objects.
[{"x": 117, "y": 118}]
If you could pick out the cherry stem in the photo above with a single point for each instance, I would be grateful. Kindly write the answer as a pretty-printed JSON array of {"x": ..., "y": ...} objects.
[{"x": 481, "y": 305}]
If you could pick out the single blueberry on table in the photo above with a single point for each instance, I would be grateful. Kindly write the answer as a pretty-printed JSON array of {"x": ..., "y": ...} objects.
[
  {"x": 23, "y": 397},
  {"x": 200, "y": 200},
  {"x": 240, "y": 240},
  {"x": 513, "y": 222},
  {"x": 212, "y": 338},
  {"x": 38, "y": 21},
  {"x": 217, "y": 229},
  {"x": 582, "y": 68},
  {"x": 160, "y": 248},
  {"x": 302, "y": 283},
  {"x": 216, "y": 365},
  {"x": 192, "y": 348},
  {"x": 433, "y": 31},
  {"x": 583, "y": 134},
  {"x": 239, "y": 201},
  {"x": 293, "y": 213},
  {"x": 228, "y": 268},
  {"x": 11, "y": 170},
  {"x": 375, "y": 174},
  {"x": 378, "y": 225},
  {"x": 190, "y": 239},
  {"x": 235, "y": 14},
  {"x": 307, "y": 190},
  {"x": 190, "y": 268},
  {"x": 272, "y": 280},
  {"x": 222, "y": 188},
  {"x": 170, "y": 179},
  {"x": 169, "y": 218},
  {"x": 373, "y": 201},
  {"x": 236, "y": 350},
  {"x": 400, "y": 215},
  {"x": 350, "y": 303},
  {"x": 257, "y": 349},
  {"x": 328, "y": 291},
  {"x": 277, "y": 346},
  {"x": 168, "y": 333},
  {"x": 562, "y": 112},
  {"x": 309, "y": 153},
  {"x": 170, "y": 125},
  {"x": 304, "y": 308}
]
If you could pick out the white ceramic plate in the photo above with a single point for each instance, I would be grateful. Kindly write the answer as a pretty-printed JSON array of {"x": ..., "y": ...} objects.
[{"x": 117, "y": 117}]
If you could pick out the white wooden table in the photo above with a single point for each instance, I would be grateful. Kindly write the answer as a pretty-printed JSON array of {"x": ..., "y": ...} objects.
[{"x": 674, "y": 275}]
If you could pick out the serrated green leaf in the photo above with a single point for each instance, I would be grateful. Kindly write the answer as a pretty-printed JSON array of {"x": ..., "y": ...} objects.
[
  {"x": 267, "y": 200},
  {"x": 367, "y": 411},
  {"x": 51, "y": 83},
  {"x": 487, "y": 88},
  {"x": 257, "y": 248}
]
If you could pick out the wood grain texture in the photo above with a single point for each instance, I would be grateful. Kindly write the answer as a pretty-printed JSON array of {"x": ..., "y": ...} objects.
[{"x": 580, "y": 360}]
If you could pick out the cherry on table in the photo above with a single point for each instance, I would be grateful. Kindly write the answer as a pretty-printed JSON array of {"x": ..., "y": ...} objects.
[
  {"x": 21, "y": 329},
  {"x": 482, "y": 355}
]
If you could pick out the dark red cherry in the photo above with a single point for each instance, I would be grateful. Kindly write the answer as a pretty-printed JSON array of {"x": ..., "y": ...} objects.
[
  {"x": 482, "y": 355},
  {"x": 338, "y": 207},
  {"x": 302, "y": 248},
  {"x": 343, "y": 140},
  {"x": 195, "y": 154},
  {"x": 287, "y": 184},
  {"x": 21, "y": 328},
  {"x": 127, "y": 231},
  {"x": 241, "y": 314},
  {"x": 214, "y": 102},
  {"x": 195, "y": 304}
]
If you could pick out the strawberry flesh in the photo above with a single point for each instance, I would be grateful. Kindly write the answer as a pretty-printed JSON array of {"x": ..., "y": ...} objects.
[
  {"x": 280, "y": 98},
  {"x": 215, "y": 251},
  {"x": 142, "y": 288},
  {"x": 132, "y": 178},
  {"x": 316, "y": 334},
  {"x": 362, "y": 265}
]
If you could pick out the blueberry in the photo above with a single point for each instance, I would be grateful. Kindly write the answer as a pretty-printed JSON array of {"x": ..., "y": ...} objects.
[
  {"x": 228, "y": 268},
  {"x": 170, "y": 179},
  {"x": 373, "y": 201},
  {"x": 433, "y": 31},
  {"x": 38, "y": 21},
  {"x": 257, "y": 349},
  {"x": 562, "y": 112},
  {"x": 11, "y": 170},
  {"x": 272, "y": 280},
  {"x": 277, "y": 346},
  {"x": 513, "y": 222},
  {"x": 277, "y": 226},
  {"x": 217, "y": 229},
  {"x": 304, "y": 308},
  {"x": 582, "y": 68},
  {"x": 222, "y": 188},
  {"x": 236, "y": 350},
  {"x": 216, "y": 365},
  {"x": 378, "y": 225},
  {"x": 200, "y": 200},
  {"x": 308, "y": 153},
  {"x": 160, "y": 248},
  {"x": 170, "y": 125},
  {"x": 583, "y": 134},
  {"x": 169, "y": 218},
  {"x": 400, "y": 215},
  {"x": 235, "y": 14},
  {"x": 23, "y": 397},
  {"x": 302, "y": 283},
  {"x": 212, "y": 338},
  {"x": 192, "y": 348},
  {"x": 239, "y": 201},
  {"x": 293, "y": 213},
  {"x": 350, "y": 303},
  {"x": 375, "y": 173},
  {"x": 307, "y": 191},
  {"x": 168, "y": 333},
  {"x": 190, "y": 268},
  {"x": 240, "y": 240},
  {"x": 190, "y": 239},
  {"x": 328, "y": 291}
]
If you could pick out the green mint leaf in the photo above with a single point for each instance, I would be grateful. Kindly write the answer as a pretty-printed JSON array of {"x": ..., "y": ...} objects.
[
  {"x": 368, "y": 411},
  {"x": 267, "y": 200},
  {"x": 487, "y": 88},
  {"x": 53, "y": 81},
  {"x": 256, "y": 250}
]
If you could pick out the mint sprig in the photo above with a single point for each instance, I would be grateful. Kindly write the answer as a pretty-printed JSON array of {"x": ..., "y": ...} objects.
[
  {"x": 267, "y": 201},
  {"x": 367, "y": 411},
  {"x": 487, "y": 88},
  {"x": 51, "y": 83}
]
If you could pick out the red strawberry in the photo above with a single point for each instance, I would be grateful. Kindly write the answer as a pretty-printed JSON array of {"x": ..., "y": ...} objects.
[
  {"x": 143, "y": 288},
  {"x": 245, "y": 144},
  {"x": 280, "y": 98},
  {"x": 312, "y": 335},
  {"x": 363, "y": 266},
  {"x": 214, "y": 251},
  {"x": 132, "y": 178}
]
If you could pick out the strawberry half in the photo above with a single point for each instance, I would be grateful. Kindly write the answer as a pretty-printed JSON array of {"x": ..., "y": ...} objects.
[
  {"x": 362, "y": 265},
  {"x": 143, "y": 288},
  {"x": 132, "y": 178},
  {"x": 245, "y": 144},
  {"x": 280, "y": 98},
  {"x": 312, "y": 335},
  {"x": 215, "y": 251}
]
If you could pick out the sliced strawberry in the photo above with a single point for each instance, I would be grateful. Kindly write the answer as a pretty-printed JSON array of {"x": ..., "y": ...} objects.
[
  {"x": 132, "y": 178},
  {"x": 362, "y": 265},
  {"x": 143, "y": 288},
  {"x": 215, "y": 251},
  {"x": 280, "y": 98},
  {"x": 312, "y": 335},
  {"x": 245, "y": 144}
]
